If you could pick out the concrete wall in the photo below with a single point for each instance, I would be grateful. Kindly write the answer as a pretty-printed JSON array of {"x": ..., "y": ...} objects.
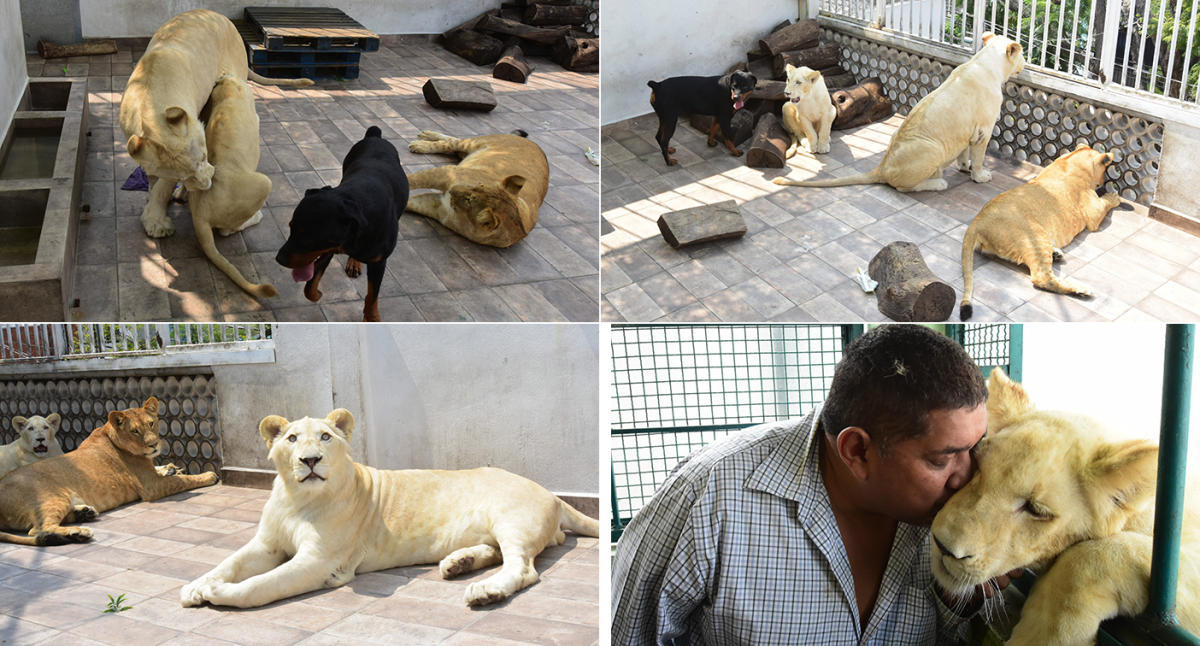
[
  {"x": 57, "y": 22},
  {"x": 520, "y": 397},
  {"x": 12, "y": 63},
  {"x": 1179, "y": 168},
  {"x": 650, "y": 41},
  {"x": 121, "y": 18}
]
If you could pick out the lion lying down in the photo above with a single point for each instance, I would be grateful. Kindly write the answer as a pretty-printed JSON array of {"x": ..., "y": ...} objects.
[
  {"x": 1051, "y": 494},
  {"x": 329, "y": 518}
]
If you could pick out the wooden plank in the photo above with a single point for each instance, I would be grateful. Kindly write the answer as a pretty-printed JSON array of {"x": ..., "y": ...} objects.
[
  {"x": 702, "y": 224},
  {"x": 449, "y": 94}
]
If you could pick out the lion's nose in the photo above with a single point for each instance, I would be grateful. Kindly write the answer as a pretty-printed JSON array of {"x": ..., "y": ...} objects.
[
  {"x": 949, "y": 552},
  {"x": 311, "y": 462}
]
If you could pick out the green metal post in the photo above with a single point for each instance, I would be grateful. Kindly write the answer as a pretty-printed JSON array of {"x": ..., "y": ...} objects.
[
  {"x": 1016, "y": 351},
  {"x": 617, "y": 527},
  {"x": 1172, "y": 467}
]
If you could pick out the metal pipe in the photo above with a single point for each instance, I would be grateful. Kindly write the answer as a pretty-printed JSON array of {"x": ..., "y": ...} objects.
[{"x": 1172, "y": 470}]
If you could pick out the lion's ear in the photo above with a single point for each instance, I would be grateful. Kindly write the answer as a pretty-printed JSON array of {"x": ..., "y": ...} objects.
[
  {"x": 987, "y": 35},
  {"x": 151, "y": 405},
  {"x": 513, "y": 183},
  {"x": 18, "y": 422},
  {"x": 134, "y": 144},
  {"x": 813, "y": 75},
  {"x": 270, "y": 427},
  {"x": 342, "y": 420},
  {"x": 1082, "y": 144},
  {"x": 1007, "y": 400},
  {"x": 116, "y": 418},
  {"x": 788, "y": 69},
  {"x": 53, "y": 419},
  {"x": 1013, "y": 50},
  {"x": 1124, "y": 473}
]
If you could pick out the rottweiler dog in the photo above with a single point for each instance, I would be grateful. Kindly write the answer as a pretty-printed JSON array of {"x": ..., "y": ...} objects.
[
  {"x": 360, "y": 218},
  {"x": 717, "y": 96}
]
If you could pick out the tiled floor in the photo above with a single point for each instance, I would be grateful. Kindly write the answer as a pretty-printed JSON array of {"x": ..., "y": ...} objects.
[
  {"x": 433, "y": 274},
  {"x": 804, "y": 245},
  {"x": 148, "y": 551}
]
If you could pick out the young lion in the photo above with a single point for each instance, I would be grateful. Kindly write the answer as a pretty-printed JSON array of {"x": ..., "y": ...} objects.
[
  {"x": 1031, "y": 223},
  {"x": 809, "y": 112},
  {"x": 329, "y": 518},
  {"x": 113, "y": 466},
  {"x": 35, "y": 441},
  {"x": 1054, "y": 495}
]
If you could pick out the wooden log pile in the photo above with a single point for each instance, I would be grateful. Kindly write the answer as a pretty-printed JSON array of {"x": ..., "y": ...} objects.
[{"x": 505, "y": 36}]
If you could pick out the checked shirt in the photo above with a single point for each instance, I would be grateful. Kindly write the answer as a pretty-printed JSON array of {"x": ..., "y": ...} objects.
[{"x": 740, "y": 546}]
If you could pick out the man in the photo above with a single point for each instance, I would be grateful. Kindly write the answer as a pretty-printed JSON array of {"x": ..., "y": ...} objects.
[{"x": 817, "y": 531}]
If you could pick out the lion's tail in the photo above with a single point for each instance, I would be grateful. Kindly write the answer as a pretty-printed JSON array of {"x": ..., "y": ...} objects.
[
  {"x": 19, "y": 539},
  {"x": 970, "y": 241},
  {"x": 871, "y": 177},
  {"x": 263, "y": 80},
  {"x": 577, "y": 521}
]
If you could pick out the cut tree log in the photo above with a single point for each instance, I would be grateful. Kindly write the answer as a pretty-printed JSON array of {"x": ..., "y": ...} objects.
[
  {"x": 549, "y": 14},
  {"x": 802, "y": 35},
  {"x": 769, "y": 147},
  {"x": 470, "y": 24},
  {"x": 702, "y": 224},
  {"x": 449, "y": 94},
  {"x": 818, "y": 57},
  {"x": 477, "y": 47},
  {"x": 742, "y": 124},
  {"x": 862, "y": 104},
  {"x": 770, "y": 91},
  {"x": 839, "y": 81},
  {"x": 908, "y": 290},
  {"x": 763, "y": 69},
  {"x": 500, "y": 25},
  {"x": 578, "y": 54},
  {"x": 47, "y": 49},
  {"x": 512, "y": 66}
]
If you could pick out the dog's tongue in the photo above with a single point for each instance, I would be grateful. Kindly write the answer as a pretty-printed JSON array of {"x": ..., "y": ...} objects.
[
  {"x": 738, "y": 103},
  {"x": 305, "y": 273}
]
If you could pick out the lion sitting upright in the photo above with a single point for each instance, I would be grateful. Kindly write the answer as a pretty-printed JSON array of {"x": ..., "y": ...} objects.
[
  {"x": 1053, "y": 495},
  {"x": 329, "y": 518},
  {"x": 113, "y": 466},
  {"x": 1031, "y": 223},
  {"x": 35, "y": 441}
]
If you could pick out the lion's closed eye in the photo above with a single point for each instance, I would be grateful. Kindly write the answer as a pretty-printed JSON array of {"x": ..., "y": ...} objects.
[{"x": 1037, "y": 510}]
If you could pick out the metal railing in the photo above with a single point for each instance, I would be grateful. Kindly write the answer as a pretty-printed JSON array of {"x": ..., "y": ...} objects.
[
  {"x": 1151, "y": 46},
  {"x": 33, "y": 342}
]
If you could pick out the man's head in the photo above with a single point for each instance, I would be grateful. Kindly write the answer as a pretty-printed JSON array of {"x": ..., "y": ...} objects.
[{"x": 904, "y": 410}]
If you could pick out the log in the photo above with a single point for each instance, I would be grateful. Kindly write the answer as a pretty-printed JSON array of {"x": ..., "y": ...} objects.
[
  {"x": 818, "y": 57},
  {"x": 770, "y": 91},
  {"x": 763, "y": 69},
  {"x": 47, "y": 49},
  {"x": 908, "y": 290},
  {"x": 702, "y": 224},
  {"x": 833, "y": 70},
  {"x": 742, "y": 66},
  {"x": 549, "y": 14},
  {"x": 449, "y": 94},
  {"x": 512, "y": 11},
  {"x": 479, "y": 48},
  {"x": 470, "y": 24},
  {"x": 862, "y": 104},
  {"x": 839, "y": 81},
  {"x": 769, "y": 147},
  {"x": 578, "y": 54},
  {"x": 512, "y": 66},
  {"x": 742, "y": 125},
  {"x": 802, "y": 35},
  {"x": 500, "y": 25}
]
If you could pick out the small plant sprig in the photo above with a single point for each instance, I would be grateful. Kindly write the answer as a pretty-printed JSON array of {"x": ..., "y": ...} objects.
[{"x": 114, "y": 605}]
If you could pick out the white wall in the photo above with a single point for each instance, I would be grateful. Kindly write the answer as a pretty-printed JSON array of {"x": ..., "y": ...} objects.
[
  {"x": 121, "y": 18},
  {"x": 12, "y": 63},
  {"x": 652, "y": 40}
]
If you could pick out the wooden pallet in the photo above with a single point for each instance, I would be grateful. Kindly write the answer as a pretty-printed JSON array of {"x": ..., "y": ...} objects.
[
  {"x": 320, "y": 28},
  {"x": 296, "y": 63},
  {"x": 315, "y": 72},
  {"x": 260, "y": 55}
]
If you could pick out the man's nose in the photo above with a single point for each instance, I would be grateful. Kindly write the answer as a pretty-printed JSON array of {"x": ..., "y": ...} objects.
[{"x": 964, "y": 468}]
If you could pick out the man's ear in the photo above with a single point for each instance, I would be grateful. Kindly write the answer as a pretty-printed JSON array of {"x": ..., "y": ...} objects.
[
  {"x": 270, "y": 427},
  {"x": 852, "y": 445}
]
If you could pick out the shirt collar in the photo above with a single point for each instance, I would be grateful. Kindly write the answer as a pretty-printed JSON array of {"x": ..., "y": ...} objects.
[{"x": 792, "y": 470}]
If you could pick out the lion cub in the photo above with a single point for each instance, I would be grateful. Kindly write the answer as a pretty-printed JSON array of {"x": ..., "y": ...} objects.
[
  {"x": 329, "y": 518},
  {"x": 1031, "y": 223},
  {"x": 809, "y": 112},
  {"x": 35, "y": 441}
]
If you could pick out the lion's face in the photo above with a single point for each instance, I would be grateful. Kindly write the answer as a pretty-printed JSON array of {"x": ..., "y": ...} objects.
[
  {"x": 493, "y": 209},
  {"x": 1087, "y": 162},
  {"x": 176, "y": 151},
  {"x": 135, "y": 430},
  {"x": 36, "y": 434},
  {"x": 1045, "y": 481},
  {"x": 800, "y": 82},
  {"x": 308, "y": 452}
]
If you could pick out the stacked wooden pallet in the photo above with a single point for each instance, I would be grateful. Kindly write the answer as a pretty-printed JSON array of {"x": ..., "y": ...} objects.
[{"x": 308, "y": 42}]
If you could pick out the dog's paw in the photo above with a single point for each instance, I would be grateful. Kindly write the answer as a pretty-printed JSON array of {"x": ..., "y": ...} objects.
[
  {"x": 353, "y": 268},
  {"x": 981, "y": 176},
  {"x": 484, "y": 593},
  {"x": 736, "y": 153}
]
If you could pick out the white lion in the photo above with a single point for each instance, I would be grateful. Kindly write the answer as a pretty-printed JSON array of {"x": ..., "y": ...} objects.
[
  {"x": 1052, "y": 494},
  {"x": 329, "y": 518},
  {"x": 35, "y": 441}
]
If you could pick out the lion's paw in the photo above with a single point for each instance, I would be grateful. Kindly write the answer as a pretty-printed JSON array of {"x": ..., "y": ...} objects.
[
  {"x": 157, "y": 226},
  {"x": 85, "y": 514},
  {"x": 982, "y": 176},
  {"x": 452, "y": 568},
  {"x": 484, "y": 593},
  {"x": 421, "y": 146},
  {"x": 192, "y": 594}
]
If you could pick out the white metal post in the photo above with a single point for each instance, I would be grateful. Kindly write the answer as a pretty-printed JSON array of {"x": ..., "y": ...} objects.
[{"x": 1108, "y": 48}]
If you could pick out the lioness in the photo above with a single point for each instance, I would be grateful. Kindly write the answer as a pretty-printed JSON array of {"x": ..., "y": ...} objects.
[
  {"x": 809, "y": 112},
  {"x": 492, "y": 196},
  {"x": 113, "y": 466},
  {"x": 160, "y": 108},
  {"x": 1031, "y": 223},
  {"x": 954, "y": 120},
  {"x": 35, "y": 441},
  {"x": 329, "y": 518},
  {"x": 1053, "y": 495}
]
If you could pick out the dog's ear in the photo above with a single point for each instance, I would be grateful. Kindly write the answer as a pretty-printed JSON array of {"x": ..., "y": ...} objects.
[
  {"x": 725, "y": 81},
  {"x": 176, "y": 118},
  {"x": 310, "y": 191},
  {"x": 513, "y": 184},
  {"x": 1013, "y": 51},
  {"x": 134, "y": 144},
  {"x": 753, "y": 80},
  {"x": 813, "y": 75},
  {"x": 18, "y": 422},
  {"x": 342, "y": 420},
  {"x": 53, "y": 419},
  {"x": 270, "y": 427}
]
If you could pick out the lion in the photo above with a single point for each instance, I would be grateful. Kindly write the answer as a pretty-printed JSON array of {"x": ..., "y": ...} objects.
[
  {"x": 160, "y": 107},
  {"x": 954, "y": 120},
  {"x": 35, "y": 441},
  {"x": 113, "y": 466},
  {"x": 492, "y": 196},
  {"x": 329, "y": 518},
  {"x": 1031, "y": 223},
  {"x": 1053, "y": 494},
  {"x": 809, "y": 112}
]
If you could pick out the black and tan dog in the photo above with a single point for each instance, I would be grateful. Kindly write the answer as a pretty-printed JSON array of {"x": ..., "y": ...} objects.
[
  {"x": 717, "y": 96},
  {"x": 360, "y": 218}
]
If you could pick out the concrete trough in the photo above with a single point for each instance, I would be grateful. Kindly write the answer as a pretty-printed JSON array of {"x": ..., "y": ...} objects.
[{"x": 41, "y": 178}]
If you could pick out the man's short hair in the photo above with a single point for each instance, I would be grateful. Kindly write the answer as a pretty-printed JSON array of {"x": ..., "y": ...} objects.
[{"x": 891, "y": 378}]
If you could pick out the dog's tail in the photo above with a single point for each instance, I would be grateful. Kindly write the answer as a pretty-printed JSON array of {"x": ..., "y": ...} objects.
[
  {"x": 374, "y": 131},
  {"x": 871, "y": 177},
  {"x": 577, "y": 521},
  {"x": 970, "y": 241},
  {"x": 653, "y": 85},
  {"x": 262, "y": 80}
]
